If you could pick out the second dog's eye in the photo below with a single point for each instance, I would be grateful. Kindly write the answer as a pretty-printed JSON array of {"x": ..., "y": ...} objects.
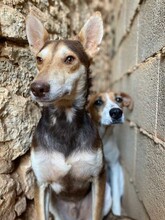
[
  {"x": 119, "y": 99},
  {"x": 69, "y": 59},
  {"x": 39, "y": 60},
  {"x": 98, "y": 102}
]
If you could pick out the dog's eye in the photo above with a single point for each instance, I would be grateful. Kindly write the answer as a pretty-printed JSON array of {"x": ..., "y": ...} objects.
[
  {"x": 69, "y": 59},
  {"x": 98, "y": 102},
  {"x": 39, "y": 60},
  {"x": 119, "y": 99}
]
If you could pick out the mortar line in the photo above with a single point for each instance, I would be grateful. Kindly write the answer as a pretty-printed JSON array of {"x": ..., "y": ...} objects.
[
  {"x": 157, "y": 100},
  {"x": 155, "y": 139},
  {"x": 137, "y": 66},
  {"x": 135, "y": 154}
]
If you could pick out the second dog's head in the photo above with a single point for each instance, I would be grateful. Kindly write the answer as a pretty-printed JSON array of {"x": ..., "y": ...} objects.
[{"x": 107, "y": 108}]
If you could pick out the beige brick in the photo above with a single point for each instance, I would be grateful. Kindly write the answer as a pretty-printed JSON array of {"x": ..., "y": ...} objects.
[
  {"x": 150, "y": 176},
  {"x": 126, "y": 57},
  {"x": 131, "y": 204},
  {"x": 152, "y": 28},
  {"x": 130, "y": 49},
  {"x": 117, "y": 66},
  {"x": 142, "y": 87},
  {"x": 126, "y": 140},
  {"x": 121, "y": 25},
  {"x": 161, "y": 102},
  {"x": 131, "y": 7},
  {"x": 126, "y": 15}
]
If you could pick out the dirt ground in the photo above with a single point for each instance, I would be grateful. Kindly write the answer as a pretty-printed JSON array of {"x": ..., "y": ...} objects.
[{"x": 112, "y": 217}]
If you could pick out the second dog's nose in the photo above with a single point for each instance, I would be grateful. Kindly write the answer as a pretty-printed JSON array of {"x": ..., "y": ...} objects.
[
  {"x": 39, "y": 89},
  {"x": 115, "y": 113}
]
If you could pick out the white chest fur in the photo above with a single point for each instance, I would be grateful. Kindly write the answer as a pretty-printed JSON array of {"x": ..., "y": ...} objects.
[
  {"x": 53, "y": 166},
  {"x": 111, "y": 150}
]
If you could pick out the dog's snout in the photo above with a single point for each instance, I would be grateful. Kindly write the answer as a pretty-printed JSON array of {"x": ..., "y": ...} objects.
[
  {"x": 39, "y": 89},
  {"x": 116, "y": 113}
]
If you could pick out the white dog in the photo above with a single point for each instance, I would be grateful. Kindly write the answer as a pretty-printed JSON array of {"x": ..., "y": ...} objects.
[{"x": 106, "y": 110}]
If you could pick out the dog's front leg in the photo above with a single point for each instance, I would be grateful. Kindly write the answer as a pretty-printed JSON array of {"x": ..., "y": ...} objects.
[
  {"x": 116, "y": 184},
  {"x": 98, "y": 190},
  {"x": 41, "y": 200}
]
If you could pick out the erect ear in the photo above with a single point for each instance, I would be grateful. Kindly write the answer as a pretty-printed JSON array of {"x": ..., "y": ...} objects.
[
  {"x": 91, "y": 34},
  {"x": 36, "y": 33},
  {"x": 127, "y": 101}
]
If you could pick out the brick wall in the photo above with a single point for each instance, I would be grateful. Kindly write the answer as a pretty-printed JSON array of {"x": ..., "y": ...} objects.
[
  {"x": 138, "y": 68},
  {"x": 18, "y": 114}
]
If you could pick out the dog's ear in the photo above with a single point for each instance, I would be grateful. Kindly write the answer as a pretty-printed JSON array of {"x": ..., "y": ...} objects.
[
  {"x": 36, "y": 33},
  {"x": 91, "y": 34},
  {"x": 91, "y": 96},
  {"x": 127, "y": 100}
]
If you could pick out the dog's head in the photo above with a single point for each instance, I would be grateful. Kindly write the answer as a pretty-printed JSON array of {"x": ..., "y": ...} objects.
[
  {"x": 62, "y": 64},
  {"x": 106, "y": 108}
]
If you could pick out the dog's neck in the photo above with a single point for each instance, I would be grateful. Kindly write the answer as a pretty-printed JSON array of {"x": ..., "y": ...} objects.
[
  {"x": 66, "y": 126},
  {"x": 104, "y": 130}
]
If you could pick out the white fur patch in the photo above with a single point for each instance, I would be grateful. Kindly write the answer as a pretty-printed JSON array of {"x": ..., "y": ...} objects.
[
  {"x": 105, "y": 117},
  {"x": 51, "y": 167},
  {"x": 44, "y": 53},
  {"x": 107, "y": 200},
  {"x": 91, "y": 162},
  {"x": 57, "y": 187},
  {"x": 69, "y": 114}
]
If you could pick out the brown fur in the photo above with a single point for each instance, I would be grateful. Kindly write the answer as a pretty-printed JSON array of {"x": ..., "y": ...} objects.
[
  {"x": 67, "y": 151},
  {"x": 96, "y": 111}
]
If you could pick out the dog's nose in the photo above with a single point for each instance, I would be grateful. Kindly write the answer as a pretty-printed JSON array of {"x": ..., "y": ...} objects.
[
  {"x": 115, "y": 113},
  {"x": 39, "y": 89}
]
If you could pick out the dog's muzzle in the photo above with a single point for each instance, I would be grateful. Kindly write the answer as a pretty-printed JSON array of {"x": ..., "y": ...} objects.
[
  {"x": 116, "y": 113},
  {"x": 40, "y": 89}
]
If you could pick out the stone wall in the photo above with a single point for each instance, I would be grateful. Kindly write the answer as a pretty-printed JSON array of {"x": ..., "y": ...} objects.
[
  {"x": 18, "y": 114},
  {"x": 138, "y": 68}
]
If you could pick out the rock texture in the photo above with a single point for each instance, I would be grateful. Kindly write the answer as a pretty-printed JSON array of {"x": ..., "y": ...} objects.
[{"x": 18, "y": 114}]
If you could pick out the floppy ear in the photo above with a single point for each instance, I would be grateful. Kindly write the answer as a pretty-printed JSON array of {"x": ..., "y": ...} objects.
[
  {"x": 127, "y": 101},
  {"x": 36, "y": 33},
  {"x": 91, "y": 96},
  {"x": 91, "y": 34}
]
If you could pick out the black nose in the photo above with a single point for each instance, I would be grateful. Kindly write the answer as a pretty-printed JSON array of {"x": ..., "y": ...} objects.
[
  {"x": 115, "y": 113},
  {"x": 39, "y": 89}
]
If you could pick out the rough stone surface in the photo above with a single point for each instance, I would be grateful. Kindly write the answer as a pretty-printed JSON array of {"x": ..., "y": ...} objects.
[
  {"x": 7, "y": 197},
  {"x": 6, "y": 166},
  {"x": 20, "y": 206},
  {"x": 18, "y": 120},
  {"x": 12, "y": 23},
  {"x": 18, "y": 114}
]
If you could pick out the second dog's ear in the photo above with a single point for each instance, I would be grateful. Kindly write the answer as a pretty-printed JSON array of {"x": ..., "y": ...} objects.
[
  {"x": 36, "y": 33},
  {"x": 127, "y": 101},
  {"x": 91, "y": 34}
]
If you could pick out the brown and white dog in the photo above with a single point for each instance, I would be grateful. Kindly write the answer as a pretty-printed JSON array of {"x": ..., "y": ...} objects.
[
  {"x": 106, "y": 110},
  {"x": 67, "y": 155}
]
